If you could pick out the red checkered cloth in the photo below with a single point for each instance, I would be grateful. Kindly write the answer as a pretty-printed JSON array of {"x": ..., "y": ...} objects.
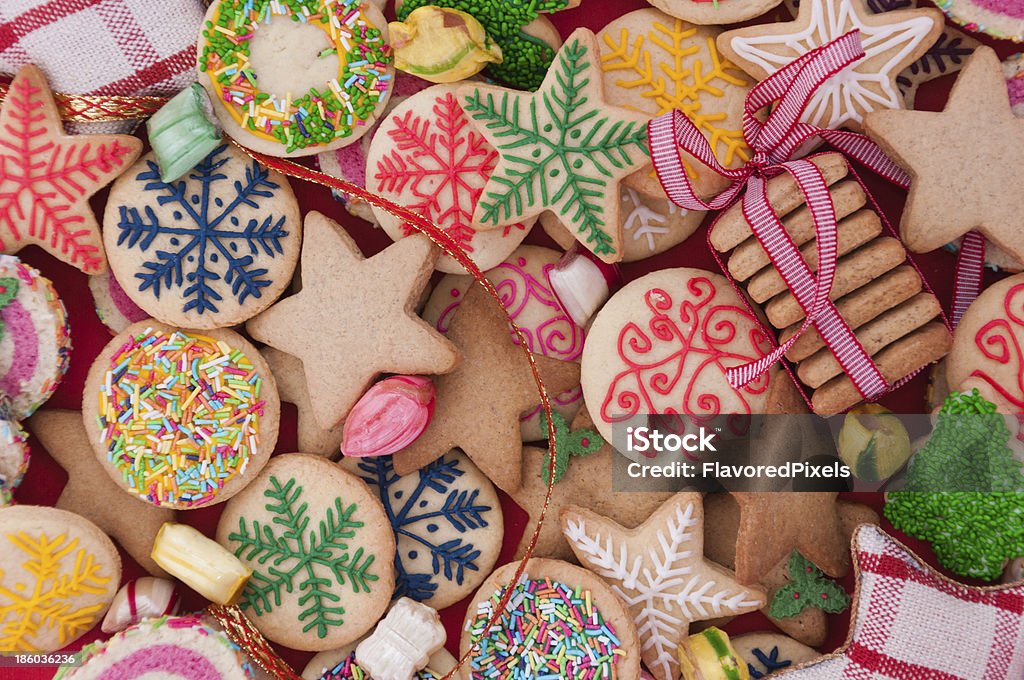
[
  {"x": 103, "y": 47},
  {"x": 910, "y": 623}
]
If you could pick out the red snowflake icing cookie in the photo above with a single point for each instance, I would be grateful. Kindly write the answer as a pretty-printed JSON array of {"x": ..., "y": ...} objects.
[
  {"x": 662, "y": 345},
  {"x": 427, "y": 156}
]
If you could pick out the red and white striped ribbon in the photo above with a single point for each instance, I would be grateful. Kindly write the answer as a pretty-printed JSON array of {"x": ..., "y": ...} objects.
[
  {"x": 774, "y": 142},
  {"x": 970, "y": 265}
]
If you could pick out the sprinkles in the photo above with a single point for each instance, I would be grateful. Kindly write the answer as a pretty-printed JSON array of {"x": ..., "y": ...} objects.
[
  {"x": 320, "y": 115},
  {"x": 179, "y": 416},
  {"x": 348, "y": 669},
  {"x": 548, "y": 630}
]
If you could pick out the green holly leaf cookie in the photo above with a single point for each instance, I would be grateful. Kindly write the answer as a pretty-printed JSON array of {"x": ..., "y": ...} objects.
[
  {"x": 568, "y": 444},
  {"x": 807, "y": 587}
]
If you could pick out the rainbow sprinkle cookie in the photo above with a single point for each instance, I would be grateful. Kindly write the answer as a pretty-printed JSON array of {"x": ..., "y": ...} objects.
[
  {"x": 348, "y": 669},
  {"x": 178, "y": 418},
  {"x": 1003, "y": 19},
  {"x": 237, "y": 71}
]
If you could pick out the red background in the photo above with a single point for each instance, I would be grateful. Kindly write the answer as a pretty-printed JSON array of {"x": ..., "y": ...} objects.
[{"x": 46, "y": 478}]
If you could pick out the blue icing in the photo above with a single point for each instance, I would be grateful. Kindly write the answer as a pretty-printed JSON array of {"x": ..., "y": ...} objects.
[
  {"x": 770, "y": 662},
  {"x": 213, "y": 256},
  {"x": 434, "y": 497}
]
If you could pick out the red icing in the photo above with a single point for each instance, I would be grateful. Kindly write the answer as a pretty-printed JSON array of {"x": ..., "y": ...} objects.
[
  {"x": 18, "y": 323},
  {"x": 999, "y": 341},
  {"x": 678, "y": 357},
  {"x": 1010, "y": 8}
]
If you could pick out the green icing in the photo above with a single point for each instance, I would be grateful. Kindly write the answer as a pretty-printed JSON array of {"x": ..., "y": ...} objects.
[
  {"x": 8, "y": 292},
  {"x": 807, "y": 587},
  {"x": 568, "y": 444},
  {"x": 525, "y": 59},
  {"x": 287, "y": 555}
]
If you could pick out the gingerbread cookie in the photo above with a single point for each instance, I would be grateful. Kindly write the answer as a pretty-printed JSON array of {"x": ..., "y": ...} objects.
[
  {"x": 58, "y": 574},
  {"x": 14, "y": 455},
  {"x": 341, "y": 664},
  {"x": 892, "y": 42},
  {"x": 291, "y": 384},
  {"x": 326, "y": 325},
  {"x": 114, "y": 308},
  {"x": 765, "y": 653},
  {"x": 447, "y": 522},
  {"x": 47, "y": 177},
  {"x": 522, "y": 284},
  {"x": 686, "y": 323},
  {"x": 579, "y": 625},
  {"x": 286, "y": 86},
  {"x": 1003, "y": 19},
  {"x": 717, "y": 12},
  {"x": 209, "y": 250},
  {"x": 180, "y": 418}
]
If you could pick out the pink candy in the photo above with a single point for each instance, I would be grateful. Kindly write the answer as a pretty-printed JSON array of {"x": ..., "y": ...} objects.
[{"x": 390, "y": 416}]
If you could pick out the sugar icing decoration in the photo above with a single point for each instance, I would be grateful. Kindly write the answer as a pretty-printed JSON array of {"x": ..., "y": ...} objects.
[
  {"x": 179, "y": 415},
  {"x": 568, "y": 444},
  {"x": 991, "y": 11},
  {"x": 348, "y": 669},
  {"x": 769, "y": 661},
  {"x": 298, "y": 120},
  {"x": 641, "y": 222},
  {"x": 309, "y": 557},
  {"x": 998, "y": 341},
  {"x": 807, "y": 587},
  {"x": 548, "y": 629}
]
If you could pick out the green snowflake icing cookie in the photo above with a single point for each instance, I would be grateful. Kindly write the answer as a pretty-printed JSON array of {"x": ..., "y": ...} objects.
[
  {"x": 562, "y": 148},
  {"x": 321, "y": 551}
]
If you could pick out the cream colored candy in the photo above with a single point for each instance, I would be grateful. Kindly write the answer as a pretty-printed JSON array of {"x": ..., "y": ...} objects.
[{"x": 403, "y": 642}]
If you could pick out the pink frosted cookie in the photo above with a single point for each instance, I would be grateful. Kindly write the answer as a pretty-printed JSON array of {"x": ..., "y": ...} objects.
[
  {"x": 13, "y": 455},
  {"x": 35, "y": 341},
  {"x": 523, "y": 286},
  {"x": 171, "y": 648},
  {"x": 1002, "y": 19},
  {"x": 662, "y": 344},
  {"x": 428, "y": 157},
  {"x": 115, "y": 309}
]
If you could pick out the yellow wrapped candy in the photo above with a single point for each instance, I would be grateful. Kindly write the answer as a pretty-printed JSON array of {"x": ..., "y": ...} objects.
[
  {"x": 442, "y": 45},
  {"x": 709, "y": 655},
  {"x": 200, "y": 563},
  {"x": 873, "y": 442}
]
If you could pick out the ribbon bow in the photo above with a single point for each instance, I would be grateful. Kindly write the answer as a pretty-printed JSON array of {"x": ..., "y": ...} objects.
[{"x": 774, "y": 143}]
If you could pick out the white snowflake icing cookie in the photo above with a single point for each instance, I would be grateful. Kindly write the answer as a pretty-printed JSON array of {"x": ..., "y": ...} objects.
[
  {"x": 659, "y": 571},
  {"x": 427, "y": 156},
  {"x": 58, "y": 575},
  {"x": 209, "y": 250}
]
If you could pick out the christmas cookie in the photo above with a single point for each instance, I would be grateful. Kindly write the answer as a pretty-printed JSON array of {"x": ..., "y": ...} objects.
[
  {"x": 427, "y": 156},
  {"x": 892, "y": 42},
  {"x": 650, "y": 225},
  {"x": 522, "y": 283},
  {"x": 180, "y": 418},
  {"x": 354, "y": 318},
  {"x": 115, "y": 309},
  {"x": 340, "y": 664},
  {"x": 14, "y": 455},
  {"x": 447, "y": 522},
  {"x": 58, "y": 574},
  {"x": 654, "y": 63},
  {"x": 328, "y": 90},
  {"x": 686, "y": 323},
  {"x": 1013, "y": 71},
  {"x": 765, "y": 653},
  {"x": 321, "y": 550},
  {"x": 209, "y": 250},
  {"x": 35, "y": 341},
  {"x": 564, "y": 148},
  {"x": 561, "y": 621},
  {"x": 659, "y": 571},
  {"x": 291, "y": 384},
  {"x": 47, "y": 177},
  {"x": 1003, "y": 19},
  {"x": 715, "y": 11},
  {"x": 169, "y": 647}
]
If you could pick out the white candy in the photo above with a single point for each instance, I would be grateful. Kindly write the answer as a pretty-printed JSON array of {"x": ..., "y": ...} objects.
[
  {"x": 143, "y": 598},
  {"x": 403, "y": 642}
]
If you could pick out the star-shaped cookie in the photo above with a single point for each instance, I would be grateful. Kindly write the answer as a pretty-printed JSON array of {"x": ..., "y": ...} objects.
[
  {"x": 892, "y": 42},
  {"x": 47, "y": 177},
  {"x": 91, "y": 493},
  {"x": 958, "y": 159},
  {"x": 478, "y": 405},
  {"x": 562, "y": 149},
  {"x": 291, "y": 385},
  {"x": 659, "y": 571},
  {"x": 909, "y": 621},
  {"x": 355, "y": 318}
]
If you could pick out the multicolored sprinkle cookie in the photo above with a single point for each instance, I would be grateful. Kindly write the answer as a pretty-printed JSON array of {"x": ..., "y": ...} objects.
[
  {"x": 14, "y": 455},
  {"x": 1003, "y": 19},
  {"x": 35, "y": 340},
  {"x": 179, "y": 418},
  {"x": 340, "y": 664}
]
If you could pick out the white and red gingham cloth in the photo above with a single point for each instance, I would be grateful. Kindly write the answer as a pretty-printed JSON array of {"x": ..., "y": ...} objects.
[
  {"x": 103, "y": 47},
  {"x": 912, "y": 624}
]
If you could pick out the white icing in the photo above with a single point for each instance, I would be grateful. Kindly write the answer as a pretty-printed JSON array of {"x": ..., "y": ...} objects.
[{"x": 642, "y": 221}]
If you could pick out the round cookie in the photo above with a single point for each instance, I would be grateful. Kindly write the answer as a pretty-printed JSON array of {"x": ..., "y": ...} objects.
[
  {"x": 1013, "y": 70},
  {"x": 113, "y": 306},
  {"x": 662, "y": 344},
  {"x": 321, "y": 550},
  {"x": 986, "y": 351},
  {"x": 654, "y": 63},
  {"x": 168, "y": 647},
  {"x": 35, "y": 339},
  {"x": 58, "y": 575},
  {"x": 522, "y": 283},
  {"x": 447, "y": 523},
  {"x": 715, "y": 12},
  {"x": 209, "y": 250},
  {"x": 650, "y": 225},
  {"x": 181, "y": 418},
  {"x": 14, "y": 455},
  {"x": 287, "y": 85},
  {"x": 766, "y": 653},
  {"x": 563, "y": 608},
  {"x": 1003, "y": 19},
  {"x": 427, "y": 156},
  {"x": 340, "y": 664}
]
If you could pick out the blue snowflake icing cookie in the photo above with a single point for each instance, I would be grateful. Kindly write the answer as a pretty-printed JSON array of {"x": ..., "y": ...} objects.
[
  {"x": 209, "y": 250},
  {"x": 447, "y": 522},
  {"x": 767, "y": 653}
]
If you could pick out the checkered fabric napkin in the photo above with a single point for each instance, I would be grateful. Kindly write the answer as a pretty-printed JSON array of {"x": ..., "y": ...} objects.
[
  {"x": 112, "y": 47},
  {"x": 912, "y": 624}
]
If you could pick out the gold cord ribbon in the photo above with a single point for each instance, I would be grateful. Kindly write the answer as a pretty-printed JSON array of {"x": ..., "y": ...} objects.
[{"x": 81, "y": 108}]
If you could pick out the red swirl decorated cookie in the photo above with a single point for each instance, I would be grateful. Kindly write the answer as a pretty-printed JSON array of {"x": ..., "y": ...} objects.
[{"x": 662, "y": 344}]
